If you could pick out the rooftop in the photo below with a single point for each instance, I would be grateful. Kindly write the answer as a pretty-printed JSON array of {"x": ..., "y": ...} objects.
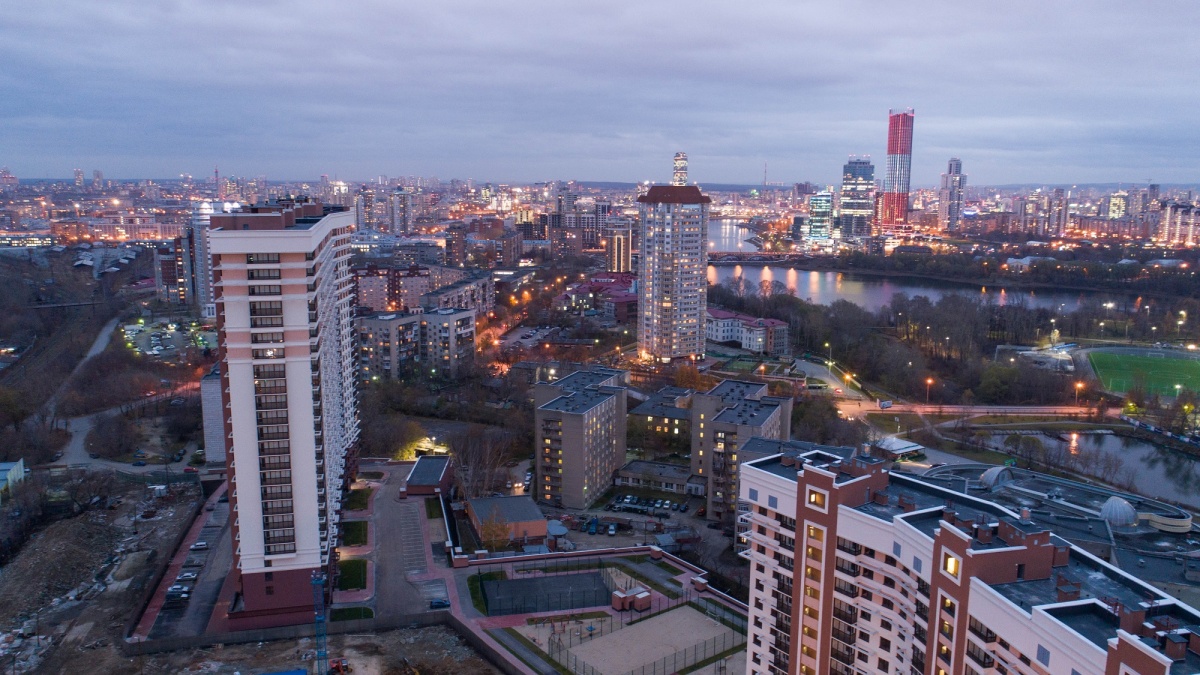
[
  {"x": 515, "y": 509},
  {"x": 428, "y": 470},
  {"x": 748, "y": 412},
  {"x": 578, "y": 401},
  {"x": 677, "y": 472},
  {"x": 582, "y": 379},
  {"x": 733, "y": 391},
  {"x": 674, "y": 194}
]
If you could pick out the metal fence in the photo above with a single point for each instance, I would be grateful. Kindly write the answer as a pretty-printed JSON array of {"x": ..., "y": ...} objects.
[
  {"x": 697, "y": 653},
  {"x": 561, "y": 643}
]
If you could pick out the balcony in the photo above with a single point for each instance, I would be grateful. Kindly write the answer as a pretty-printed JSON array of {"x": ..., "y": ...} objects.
[
  {"x": 852, "y": 549},
  {"x": 847, "y": 637},
  {"x": 850, "y": 617}
]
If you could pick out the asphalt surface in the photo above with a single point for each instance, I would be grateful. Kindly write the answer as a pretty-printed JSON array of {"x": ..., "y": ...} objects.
[
  {"x": 193, "y": 618},
  {"x": 399, "y": 550}
]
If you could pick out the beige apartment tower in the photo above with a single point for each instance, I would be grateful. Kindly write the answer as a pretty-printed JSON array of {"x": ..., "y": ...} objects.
[
  {"x": 673, "y": 279},
  {"x": 284, "y": 300}
]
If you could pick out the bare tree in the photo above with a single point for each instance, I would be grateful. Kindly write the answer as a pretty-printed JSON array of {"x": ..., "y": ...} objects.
[{"x": 479, "y": 453}]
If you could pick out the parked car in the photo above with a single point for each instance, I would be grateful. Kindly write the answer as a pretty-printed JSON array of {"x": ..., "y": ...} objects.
[
  {"x": 701, "y": 512},
  {"x": 684, "y": 508},
  {"x": 714, "y": 526},
  {"x": 199, "y": 546},
  {"x": 612, "y": 529},
  {"x": 439, "y": 603},
  {"x": 674, "y": 506},
  {"x": 140, "y": 462},
  {"x": 190, "y": 469},
  {"x": 186, "y": 576},
  {"x": 176, "y": 402},
  {"x": 595, "y": 522}
]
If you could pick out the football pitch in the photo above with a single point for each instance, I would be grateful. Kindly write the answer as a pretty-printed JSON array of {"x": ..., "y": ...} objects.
[{"x": 1160, "y": 371}]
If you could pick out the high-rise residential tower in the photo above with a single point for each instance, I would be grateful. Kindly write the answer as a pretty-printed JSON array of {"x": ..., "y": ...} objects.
[
  {"x": 618, "y": 249},
  {"x": 284, "y": 319},
  {"x": 950, "y": 196},
  {"x": 673, "y": 276},
  {"x": 679, "y": 176},
  {"x": 400, "y": 211},
  {"x": 856, "y": 202},
  {"x": 893, "y": 216}
]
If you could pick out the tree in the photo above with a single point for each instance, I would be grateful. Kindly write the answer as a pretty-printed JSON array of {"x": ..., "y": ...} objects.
[
  {"x": 478, "y": 455},
  {"x": 493, "y": 532},
  {"x": 113, "y": 436}
]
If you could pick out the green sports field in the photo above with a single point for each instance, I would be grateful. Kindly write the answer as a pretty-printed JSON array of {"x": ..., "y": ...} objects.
[{"x": 1161, "y": 373}]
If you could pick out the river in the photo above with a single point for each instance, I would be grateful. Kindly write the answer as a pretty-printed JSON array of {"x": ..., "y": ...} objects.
[
  {"x": 872, "y": 292},
  {"x": 1157, "y": 472}
]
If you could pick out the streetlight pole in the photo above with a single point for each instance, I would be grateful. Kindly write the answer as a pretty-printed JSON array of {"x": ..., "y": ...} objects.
[
  {"x": 1078, "y": 386},
  {"x": 928, "y": 384},
  {"x": 830, "y": 348}
]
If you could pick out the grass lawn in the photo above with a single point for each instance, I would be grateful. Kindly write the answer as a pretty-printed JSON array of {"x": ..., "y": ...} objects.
[
  {"x": 668, "y": 567},
  {"x": 473, "y": 584},
  {"x": 433, "y": 508},
  {"x": 1118, "y": 371},
  {"x": 887, "y": 421},
  {"x": 351, "y": 613},
  {"x": 358, "y": 500},
  {"x": 352, "y": 575},
  {"x": 354, "y": 533}
]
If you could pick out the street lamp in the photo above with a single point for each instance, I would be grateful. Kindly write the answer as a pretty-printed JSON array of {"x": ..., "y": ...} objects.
[
  {"x": 928, "y": 384},
  {"x": 1078, "y": 386},
  {"x": 830, "y": 348}
]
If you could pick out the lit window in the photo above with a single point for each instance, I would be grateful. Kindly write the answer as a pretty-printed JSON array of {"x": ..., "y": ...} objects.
[
  {"x": 816, "y": 499},
  {"x": 951, "y": 564}
]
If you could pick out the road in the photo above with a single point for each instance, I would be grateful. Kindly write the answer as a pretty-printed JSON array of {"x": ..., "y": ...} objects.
[
  {"x": 75, "y": 453},
  {"x": 98, "y": 345},
  {"x": 855, "y": 408},
  {"x": 400, "y": 546}
]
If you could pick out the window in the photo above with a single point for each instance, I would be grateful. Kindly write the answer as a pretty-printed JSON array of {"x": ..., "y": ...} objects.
[
  {"x": 917, "y": 565},
  {"x": 1043, "y": 656},
  {"x": 951, "y": 564},
  {"x": 772, "y": 502},
  {"x": 753, "y": 495},
  {"x": 816, "y": 499},
  {"x": 816, "y": 533},
  {"x": 262, "y": 258},
  {"x": 272, "y": 289},
  {"x": 263, "y": 274},
  {"x": 896, "y": 548}
]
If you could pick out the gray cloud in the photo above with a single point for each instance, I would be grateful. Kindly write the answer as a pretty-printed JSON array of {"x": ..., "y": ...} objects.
[{"x": 1022, "y": 91}]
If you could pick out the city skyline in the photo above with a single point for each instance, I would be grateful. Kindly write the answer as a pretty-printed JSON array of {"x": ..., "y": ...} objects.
[{"x": 475, "y": 91}]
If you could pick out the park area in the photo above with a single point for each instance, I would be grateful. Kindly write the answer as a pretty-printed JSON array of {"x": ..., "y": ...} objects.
[{"x": 1160, "y": 372}]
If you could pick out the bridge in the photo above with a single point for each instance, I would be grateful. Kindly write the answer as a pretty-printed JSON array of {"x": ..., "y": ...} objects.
[{"x": 757, "y": 258}]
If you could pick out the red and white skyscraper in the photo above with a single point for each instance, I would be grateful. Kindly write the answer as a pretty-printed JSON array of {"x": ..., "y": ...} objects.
[{"x": 893, "y": 211}]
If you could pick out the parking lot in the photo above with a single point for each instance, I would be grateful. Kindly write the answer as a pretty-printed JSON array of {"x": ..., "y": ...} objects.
[
  {"x": 167, "y": 340},
  {"x": 190, "y": 599},
  {"x": 526, "y": 337}
]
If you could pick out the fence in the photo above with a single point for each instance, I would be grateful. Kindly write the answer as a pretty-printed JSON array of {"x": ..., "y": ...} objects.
[
  {"x": 561, "y": 643},
  {"x": 697, "y": 653}
]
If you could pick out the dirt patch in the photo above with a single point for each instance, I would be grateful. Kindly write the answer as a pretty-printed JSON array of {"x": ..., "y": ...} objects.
[
  {"x": 429, "y": 651},
  {"x": 85, "y": 577}
]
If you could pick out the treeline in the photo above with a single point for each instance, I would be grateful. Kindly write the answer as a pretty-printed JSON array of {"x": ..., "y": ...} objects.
[
  {"x": 1129, "y": 278},
  {"x": 911, "y": 340}
]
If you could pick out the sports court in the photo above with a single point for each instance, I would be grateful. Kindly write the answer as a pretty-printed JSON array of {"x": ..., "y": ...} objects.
[
  {"x": 1159, "y": 370},
  {"x": 647, "y": 641},
  {"x": 545, "y": 593}
]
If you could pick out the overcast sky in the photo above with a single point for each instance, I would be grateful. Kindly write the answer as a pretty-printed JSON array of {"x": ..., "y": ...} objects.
[{"x": 1054, "y": 92}]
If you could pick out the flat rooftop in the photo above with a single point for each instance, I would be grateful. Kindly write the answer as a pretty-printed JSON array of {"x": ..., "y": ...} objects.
[
  {"x": 733, "y": 391},
  {"x": 582, "y": 379},
  {"x": 578, "y": 401},
  {"x": 748, "y": 412},
  {"x": 428, "y": 470},
  {"x": 677, "y": 472}
]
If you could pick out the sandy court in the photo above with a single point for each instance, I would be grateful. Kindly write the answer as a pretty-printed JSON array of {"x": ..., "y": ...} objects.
[{"x": 648, "y": 640}]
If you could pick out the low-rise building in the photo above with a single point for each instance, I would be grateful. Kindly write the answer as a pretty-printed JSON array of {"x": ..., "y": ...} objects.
[
  {"x": 11, "y": 475},
  {"x": 656, "y": 476},
  {"x": 764, "y": 336},
  {"x": 431, "y": 475},
  {"x": 515, "y": 519}
]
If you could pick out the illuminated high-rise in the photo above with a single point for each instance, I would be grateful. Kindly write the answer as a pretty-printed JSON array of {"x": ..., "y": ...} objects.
[
  {"x": 950, "y": 196},
  {"x": 679, "y": 176},
  {"x": 856, "y": 202},
  {"x": 618, "y": 249},
  {"x": 893, "y": 216},
  {"x": 673, "y": 276},
  {"x": 820, "y": 216}
]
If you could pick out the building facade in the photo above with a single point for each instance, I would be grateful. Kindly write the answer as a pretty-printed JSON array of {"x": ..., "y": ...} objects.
[
  {"x": 394, "y": 343},
  {"x": 856, "y": 200},
  {"x": 722, "y": 421},
  {"x": 893, "y": 214},
  {"x": 579, "y": 436},
  {"x": 673, "y": 273},
  {"x": 618, "y": 249},
  {"x": 951, "y": 195},
  {"x": 855, "y": 569},
  {"x": 284, "y": 299}
]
